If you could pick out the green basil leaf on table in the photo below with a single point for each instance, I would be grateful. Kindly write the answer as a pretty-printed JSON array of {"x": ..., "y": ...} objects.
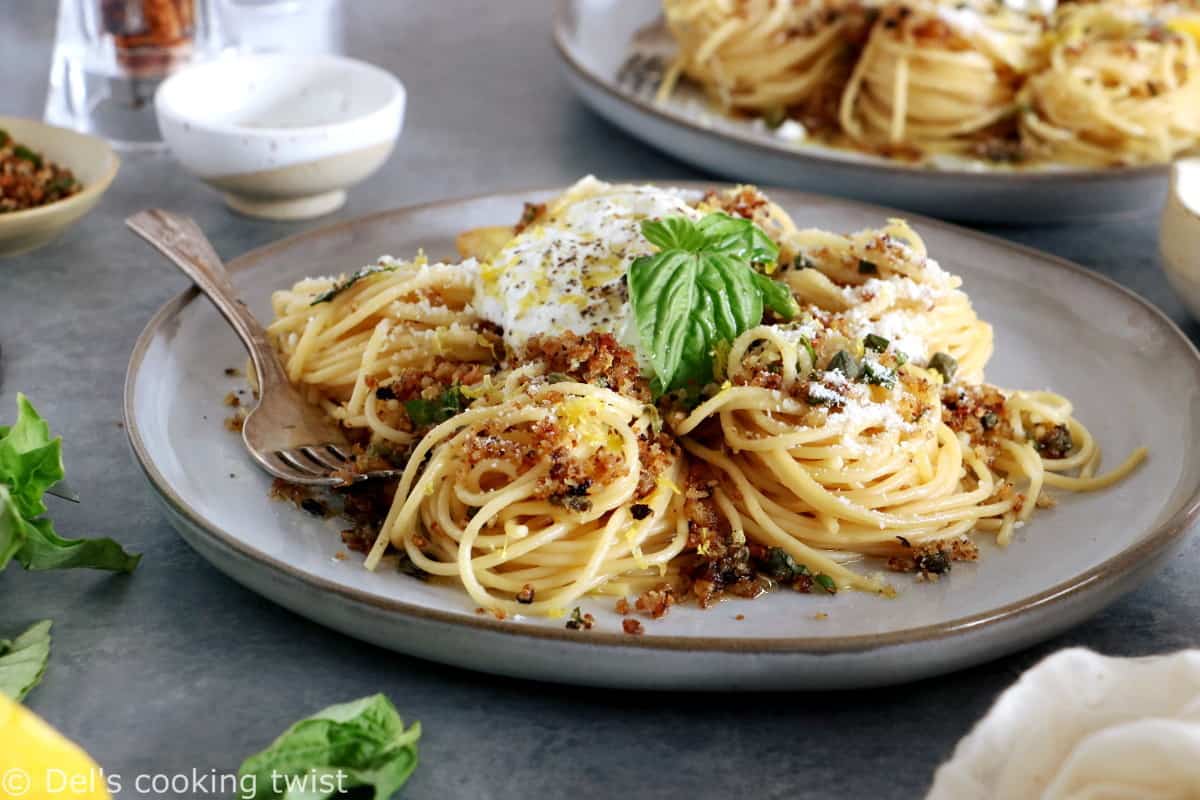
[
  {"x": 30, "y": 463},
  {"x": 23, "y": 660},
  {"x": 362, "y": 743}
]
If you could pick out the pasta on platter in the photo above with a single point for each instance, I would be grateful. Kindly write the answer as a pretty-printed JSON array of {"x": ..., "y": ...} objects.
[
  {"x": 668, "y": 394},
  {"x": 1017, "y": 83}
]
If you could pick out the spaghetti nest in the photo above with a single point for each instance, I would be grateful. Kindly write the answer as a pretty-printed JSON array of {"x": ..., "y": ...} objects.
[
  {"x": 860, "y": 427},
  {"x": 1119, "y": 86},
  {"x": 1091, "y": 84}
]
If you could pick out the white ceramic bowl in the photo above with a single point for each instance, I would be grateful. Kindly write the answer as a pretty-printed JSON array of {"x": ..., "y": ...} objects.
[
  {"x": 1179, "y": 236},
  {"x": 281, "y": 135}
]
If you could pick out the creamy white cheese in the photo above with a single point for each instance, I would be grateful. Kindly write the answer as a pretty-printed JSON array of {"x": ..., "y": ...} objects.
[
  {"x": 1043, "y": 7},
  {"x": 567, "y": 272}
]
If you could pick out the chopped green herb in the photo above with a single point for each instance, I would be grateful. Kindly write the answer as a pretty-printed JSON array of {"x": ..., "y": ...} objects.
[
  {"x": 390, "y": 452},
  {"x": 775, "y": 116},
  {"x": 23, "y": 152},
  {"x": 1056, "y": 443},
  {"x": 701, "y": 288},
  {"x": 875, "y": 342},
  {"x": 558, "y": 377},
  {"x": 434, "y": 412},
  {"x": 362, "y": 743},
  {"x": 406, "y": 566},
  {"x": 989, "y": 420},
  {"x": 867, "y": 267},
  {"x": 812, "y": 353},
  {"x": 580, "y": 621},
  {"x": 338, "y": 288},
  {"x": 825, "y": 582},
  {"x": 901, "y": 357},
  {"x": 935, "y": 563},
  {"x": 653, "y": 418},
  {"x": 63, "y": 183},
  {"x": 944, "y": 364},
  {"x": 780, "y": 566},
  {"x": 844, "y": 363},
  {"x": 877, "y": 374}
]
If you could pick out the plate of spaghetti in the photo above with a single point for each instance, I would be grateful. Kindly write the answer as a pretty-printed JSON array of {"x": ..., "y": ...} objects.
[
  {"x": 685, "y": 436},
  {"x": 976, "y": 110}
]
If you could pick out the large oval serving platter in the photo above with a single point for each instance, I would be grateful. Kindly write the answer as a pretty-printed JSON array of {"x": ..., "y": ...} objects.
[
  {"x": 595, "y": 39},
  {"x": 1134, "y": 376}
]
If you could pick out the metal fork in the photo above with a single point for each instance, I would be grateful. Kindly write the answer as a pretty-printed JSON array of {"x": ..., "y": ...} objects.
[
  {"x": 651, "y": 51},
  {"x": 286, "y": 435}
]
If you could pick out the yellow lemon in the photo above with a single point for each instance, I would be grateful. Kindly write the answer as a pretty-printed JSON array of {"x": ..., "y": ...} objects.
[
  {"x": 38, "y": 763},
  {"x": 1189, "y": 26}
]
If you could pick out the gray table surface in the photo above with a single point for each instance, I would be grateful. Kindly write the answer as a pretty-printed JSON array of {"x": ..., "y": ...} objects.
[{"x": 178, "y": 668}]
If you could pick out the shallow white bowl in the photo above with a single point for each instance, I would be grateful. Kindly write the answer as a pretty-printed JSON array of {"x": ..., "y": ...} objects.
[
  {"x": 281, "y": 135},
  {"x": 1179, "y": 235}
]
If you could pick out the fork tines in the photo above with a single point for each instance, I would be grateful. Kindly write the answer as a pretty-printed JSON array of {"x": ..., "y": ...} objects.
[
  {"x": 642, "y": 72},
  {"x": 312, "y": 462}
]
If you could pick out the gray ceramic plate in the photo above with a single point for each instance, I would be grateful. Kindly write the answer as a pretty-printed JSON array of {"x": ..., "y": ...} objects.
[
  {"x": 596, "y": 37},
  {"x": 1135, "y": 378}
]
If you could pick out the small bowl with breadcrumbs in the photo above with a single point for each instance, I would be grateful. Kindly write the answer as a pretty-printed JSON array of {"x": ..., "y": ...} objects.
[{"x": 49, "y": 178}]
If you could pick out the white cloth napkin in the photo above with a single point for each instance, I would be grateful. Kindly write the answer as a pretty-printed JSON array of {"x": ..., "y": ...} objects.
[{"x": 1082, "y": 726}]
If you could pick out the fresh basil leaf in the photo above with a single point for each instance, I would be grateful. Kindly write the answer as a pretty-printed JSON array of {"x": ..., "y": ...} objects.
[
  {"x": 30, "y": 463},
  {"x": 433, "y": 412},
  {"x": 738, "y": 237},
  {"x": 684, "y": 303},
  {"x": 44, "y": 549},
  {"x": 673, "y": 233},
  {"x": 362, "y": 743},
  {"x": 30, "y": 460},
  {"x": 777, "y": 296},
  {"x": 23, "y": 660},
  {"x": 698, "y": 291},
  {"x": 338, "y": 288}
]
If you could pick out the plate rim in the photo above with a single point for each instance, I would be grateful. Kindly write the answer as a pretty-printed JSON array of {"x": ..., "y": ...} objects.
[
  {"x": 1158, "y": 540},
  {"x": 562, "y": 9}
]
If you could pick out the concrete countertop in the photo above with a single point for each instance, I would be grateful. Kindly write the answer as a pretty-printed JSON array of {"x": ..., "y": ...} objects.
[{"x": 176, "y": 668}]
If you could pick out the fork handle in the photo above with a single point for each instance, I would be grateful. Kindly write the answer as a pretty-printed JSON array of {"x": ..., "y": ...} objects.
[{"x": 180, "y": 239}]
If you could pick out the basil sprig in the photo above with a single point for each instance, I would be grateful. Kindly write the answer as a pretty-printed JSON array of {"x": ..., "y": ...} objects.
[
  {"x": 30, "y": 463},
  {"x": 700, "y": 289},
  {"x": 360, "y": 748}
]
